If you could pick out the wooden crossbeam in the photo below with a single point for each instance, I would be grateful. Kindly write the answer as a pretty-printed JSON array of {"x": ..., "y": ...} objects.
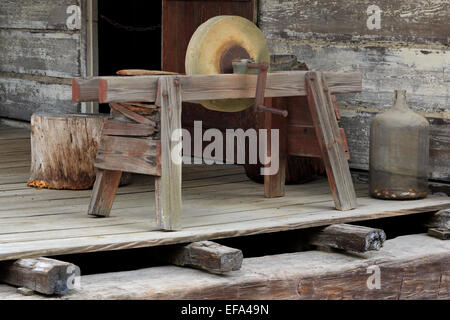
[{"x": 204, "y": 87}]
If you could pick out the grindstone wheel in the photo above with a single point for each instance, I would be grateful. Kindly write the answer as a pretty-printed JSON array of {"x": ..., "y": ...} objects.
[{"x": 213, "y": 47}]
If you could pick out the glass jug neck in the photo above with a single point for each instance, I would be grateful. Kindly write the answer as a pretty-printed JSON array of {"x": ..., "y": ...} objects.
[{"x": 400, "y": 100}]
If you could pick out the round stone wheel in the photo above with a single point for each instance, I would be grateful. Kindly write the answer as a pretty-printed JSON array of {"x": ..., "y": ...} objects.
[
  {"x": 63, "y": 150},
  {"x": 213, "y": 47}
]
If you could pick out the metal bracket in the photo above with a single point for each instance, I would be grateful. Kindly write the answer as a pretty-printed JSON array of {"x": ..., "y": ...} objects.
[{"x": 261, "y": 68}]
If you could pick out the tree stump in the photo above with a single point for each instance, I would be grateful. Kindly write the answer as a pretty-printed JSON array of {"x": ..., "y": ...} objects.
[{"x": 63, "y": 150}]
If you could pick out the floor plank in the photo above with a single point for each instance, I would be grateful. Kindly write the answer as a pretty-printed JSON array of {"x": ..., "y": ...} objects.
[{"x": 218, "y": 201}]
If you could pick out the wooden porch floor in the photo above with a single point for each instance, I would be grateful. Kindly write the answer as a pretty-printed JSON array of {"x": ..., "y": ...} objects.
[{"x": 218, "y": 202}]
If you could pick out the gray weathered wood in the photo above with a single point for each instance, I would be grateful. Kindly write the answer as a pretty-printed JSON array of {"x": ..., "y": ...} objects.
[
  {"x": 23, "y": 97},
  {"x": 349, "y": 237},
  {"x": 411, "y": 267},
  {"x": 231, "y": 86},
  {"x": 169, "y": 207},
  {"x": 35, "y": 14},
  {"x": 205, "y": 255},
  {"x": 420, "y": 21},
  {"x": 417, "y": 70},
  {"x": 47, "y": 54},
  {"x": 330, "y": 141},
  {"x": 43, "y": 275},
  {"x": 440, "y": 220}
]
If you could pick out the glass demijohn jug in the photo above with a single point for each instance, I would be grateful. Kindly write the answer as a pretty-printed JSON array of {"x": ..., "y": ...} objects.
[{"x": 399, "y": 152}]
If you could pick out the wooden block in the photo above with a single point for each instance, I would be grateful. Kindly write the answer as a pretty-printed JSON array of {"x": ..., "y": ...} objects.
[
  {"x": 132, "y": 115},
  {"x": 103, "y": 193},
  {"x": 330, "y": 141},
  {"x": 85, "y": 89},
  {"x": 349, "y": 237},
  {"x": 205, "y": 255},
  {"x": 127, "y": 129},
  {"x": 168, "y": 194},
  {"x": 443, "y": 234},
  {"x": 274, "y": 185},
  {"x": 440, "y": 220},
  {"x": 129, "y": 154},
  {"x": 43, "y": 275}
]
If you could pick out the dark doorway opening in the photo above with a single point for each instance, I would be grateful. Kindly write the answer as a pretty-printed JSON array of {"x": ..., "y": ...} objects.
[{"x": 129, "y": 36}]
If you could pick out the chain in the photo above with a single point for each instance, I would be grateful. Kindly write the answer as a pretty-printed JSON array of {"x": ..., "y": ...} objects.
[{"x": 130, "y": 28}]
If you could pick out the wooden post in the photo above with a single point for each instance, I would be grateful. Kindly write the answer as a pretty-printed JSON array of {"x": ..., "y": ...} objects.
[
  {"x": 274, "y": 185},
  {"x": 47, "y": 276},
  {"x": 168, "y": 186},
  {"x": 330, "y": 141},
  {"x": 104, "y": 192}
]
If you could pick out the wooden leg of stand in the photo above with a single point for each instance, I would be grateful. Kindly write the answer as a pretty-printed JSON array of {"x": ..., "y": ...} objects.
[
  {"x": 330, "y": 141},
  {"x": 274, "y": 184},
  {"x": 168, "y": 186},
  {"x": 103, "y": 193}
]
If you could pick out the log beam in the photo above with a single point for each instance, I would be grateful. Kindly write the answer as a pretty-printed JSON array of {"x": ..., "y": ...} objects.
[
  {"x": 43, "y": 275},
  {"x": 205, "y": 255},
  {"x": 439, "y": 225},
  {"x": 349, "y": 238}
]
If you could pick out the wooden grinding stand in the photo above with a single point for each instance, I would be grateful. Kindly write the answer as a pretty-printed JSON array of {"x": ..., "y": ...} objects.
[{"x": 139, "y": 137}]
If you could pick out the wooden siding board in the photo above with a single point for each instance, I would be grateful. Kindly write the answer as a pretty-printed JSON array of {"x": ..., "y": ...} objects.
[
  {"x": 47, "y": 54},
  {"x": 35, "y": 14},
  {"x": 20, "y": 98},
  {"x": 424, "y": 74},
  {"x": 419, "y": 21}
]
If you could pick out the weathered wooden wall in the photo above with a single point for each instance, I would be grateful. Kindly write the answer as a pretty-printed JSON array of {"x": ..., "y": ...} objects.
[
  {"x": 39, "y": 56},
  {"x": 409, "y": 51}
]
